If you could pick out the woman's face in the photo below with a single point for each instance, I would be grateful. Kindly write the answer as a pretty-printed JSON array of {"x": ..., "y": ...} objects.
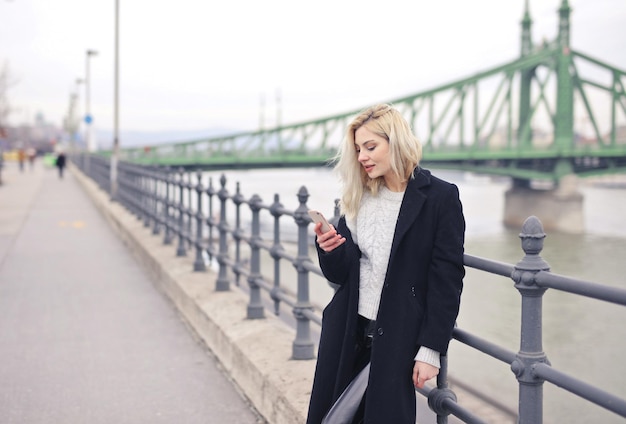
[{"x": 373, "y": 154}]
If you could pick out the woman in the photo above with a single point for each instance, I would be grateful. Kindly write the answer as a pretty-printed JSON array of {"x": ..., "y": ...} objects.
[{"x": 397, "y": 256}]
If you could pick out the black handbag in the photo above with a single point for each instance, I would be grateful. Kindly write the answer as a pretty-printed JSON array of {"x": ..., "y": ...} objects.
[{"x": 345, "y": 407}]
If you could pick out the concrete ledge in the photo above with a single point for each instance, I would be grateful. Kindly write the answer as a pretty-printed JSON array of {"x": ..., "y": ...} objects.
[{"x": 255, "y": 353}]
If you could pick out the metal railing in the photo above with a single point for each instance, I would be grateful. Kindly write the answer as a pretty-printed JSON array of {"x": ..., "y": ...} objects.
[{"x": 164, "y": 199}]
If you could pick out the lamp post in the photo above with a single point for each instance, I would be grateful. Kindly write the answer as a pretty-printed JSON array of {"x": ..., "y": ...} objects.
[
  {"x": 72, "y": 120},
  {"x": 76, "y": 119},
  {"x": 88, "y": 118},
  {"x": 116, "y": 141}
]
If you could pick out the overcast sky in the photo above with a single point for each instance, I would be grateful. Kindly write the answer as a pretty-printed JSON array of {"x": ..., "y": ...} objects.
[{"x": 195, "y": 65}]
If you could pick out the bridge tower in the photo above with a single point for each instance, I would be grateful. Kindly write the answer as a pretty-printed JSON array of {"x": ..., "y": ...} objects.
[
  {"x": 526, "y": 80},
  {"x": 564, "y": 126},
  {"x": 560, "y": 208}
]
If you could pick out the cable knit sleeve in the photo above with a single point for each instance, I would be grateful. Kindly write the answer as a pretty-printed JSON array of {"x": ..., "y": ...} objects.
[{"x": 429, "y": 356}]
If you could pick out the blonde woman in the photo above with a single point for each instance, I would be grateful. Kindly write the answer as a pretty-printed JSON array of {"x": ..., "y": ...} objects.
[{"x": 397, "y": 256}]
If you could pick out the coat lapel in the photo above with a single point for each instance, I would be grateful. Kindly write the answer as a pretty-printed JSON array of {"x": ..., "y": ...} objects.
[{"x": 412, "y": 204}]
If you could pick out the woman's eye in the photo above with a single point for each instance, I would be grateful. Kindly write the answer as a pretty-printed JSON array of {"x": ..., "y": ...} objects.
[{"x": 368, "y": 148}]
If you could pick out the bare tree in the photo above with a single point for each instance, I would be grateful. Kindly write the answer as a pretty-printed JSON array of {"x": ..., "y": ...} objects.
[{"x": 6, "y": 81}]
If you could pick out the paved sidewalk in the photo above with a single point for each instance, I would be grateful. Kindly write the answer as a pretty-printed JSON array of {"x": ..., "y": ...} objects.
[{"x": 84, "y": 335}]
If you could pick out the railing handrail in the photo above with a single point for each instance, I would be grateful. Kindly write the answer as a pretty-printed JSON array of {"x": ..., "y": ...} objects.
[{"x": 163, "y": 199}]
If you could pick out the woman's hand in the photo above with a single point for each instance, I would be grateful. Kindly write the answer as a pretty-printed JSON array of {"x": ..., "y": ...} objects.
[
  {"x": 422, "y": 372},
  {"x": 329, "y": 240}
]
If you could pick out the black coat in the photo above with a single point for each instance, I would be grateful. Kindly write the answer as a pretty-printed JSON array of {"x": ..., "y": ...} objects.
[
  {"x": 419, "y": 303},
  {"x": 60, "y": 162}
]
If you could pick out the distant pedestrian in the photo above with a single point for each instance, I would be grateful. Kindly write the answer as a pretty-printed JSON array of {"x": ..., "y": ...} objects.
[
  {"x": 60, "y": 163},
  {"x": 21, "y": 158},
  {"x": 32, "y": 154}
]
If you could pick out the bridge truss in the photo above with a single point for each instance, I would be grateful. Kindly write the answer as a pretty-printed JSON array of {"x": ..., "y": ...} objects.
[{"x": 552, "y": 112}]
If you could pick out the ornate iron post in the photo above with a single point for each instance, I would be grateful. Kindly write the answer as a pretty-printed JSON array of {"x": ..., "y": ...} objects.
[
  {"x": 138, "y": 198},
  {"x": 119, "y": 197},
  {"x": 222, "y": 283},
  {"x": 303, "y": 344},
  {"x": 181, "y": 251},
  {"x": 276, "y": 211},
  {"x": 167, "y": 239},
  {"x": 156, "y": 225},
  {"x": 238, "y": 199},
  {"x": 199, "y": 265},
  {"x": 531, "y": 348},
  {"x": 189, "y": 211},
  {"x": 210, "y": 191},
  {"x": 144, "y": 178},
  {"x": 255, "y": 306},
  {"x": 442, "y": 393}
]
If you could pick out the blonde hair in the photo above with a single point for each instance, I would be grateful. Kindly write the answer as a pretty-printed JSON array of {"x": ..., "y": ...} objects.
[{"x": 405, "y": 152}]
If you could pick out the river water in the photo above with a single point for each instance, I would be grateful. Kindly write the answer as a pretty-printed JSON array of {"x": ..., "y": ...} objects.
[{"x": 583, "y": 337}]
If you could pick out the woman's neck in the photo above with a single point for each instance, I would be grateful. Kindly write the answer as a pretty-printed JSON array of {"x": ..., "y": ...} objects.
[{"x": 395, "y": 185}]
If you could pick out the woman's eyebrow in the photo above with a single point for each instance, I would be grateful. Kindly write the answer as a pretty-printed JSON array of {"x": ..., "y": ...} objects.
[{"x": 364, "y": 144}]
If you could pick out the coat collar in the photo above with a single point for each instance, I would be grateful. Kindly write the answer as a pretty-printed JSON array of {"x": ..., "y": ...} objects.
[{"x": 412, "y": 203}]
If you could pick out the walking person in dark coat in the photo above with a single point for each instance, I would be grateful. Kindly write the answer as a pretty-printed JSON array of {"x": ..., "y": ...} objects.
[
  {"x": 60, "y": 163},
  {"x": 397, "y": 256}
]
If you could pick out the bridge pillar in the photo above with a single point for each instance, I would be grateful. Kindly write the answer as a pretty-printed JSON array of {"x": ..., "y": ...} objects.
[{"x": 559, "y": 209}]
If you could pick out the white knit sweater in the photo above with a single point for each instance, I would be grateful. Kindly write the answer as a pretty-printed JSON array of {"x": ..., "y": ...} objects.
[{"x": 373, "y": 232}]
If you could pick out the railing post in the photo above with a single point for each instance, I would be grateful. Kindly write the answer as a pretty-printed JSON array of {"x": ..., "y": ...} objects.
[
  {"x": 199, "y": 265},
  {"x": 127, "y": 189},
  {"x": 189, "y": 211},
  {"x": 276, "y": 211},
  {"x": 120, "y": 184},
  {"x": 167, "y": 239},
  {"x": 135, "y": 193},
  {"x": 210, "y": 191},
  {"x": 531, "y": 347},
  {"x": 255, "y": 306},
  {"x": 156, "y": 225},
  {"x": 437, "y": 396},
  {"x": 303, "y": 344},
  {"x": 181, "y": 251},
  {"x": 107, "y": 174},
  {"x": 238, "y": 199},
  {"x": 222, "y": 283},
  {"x": 136, "y": 198},
  {"x": 145, "y": 195}
]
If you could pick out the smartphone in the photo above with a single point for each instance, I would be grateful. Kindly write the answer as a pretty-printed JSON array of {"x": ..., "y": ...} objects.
[{"x": 317, "y": 216}]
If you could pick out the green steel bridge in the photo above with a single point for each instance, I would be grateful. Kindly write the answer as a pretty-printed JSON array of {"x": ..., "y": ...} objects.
[{"x": 515, "y": 120}]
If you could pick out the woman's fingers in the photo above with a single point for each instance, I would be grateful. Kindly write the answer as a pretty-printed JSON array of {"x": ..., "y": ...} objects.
[
  {"x": 422, "y": 372},
  {"x": 333, "y": 243},
  {"x": 329, "y": 240}
]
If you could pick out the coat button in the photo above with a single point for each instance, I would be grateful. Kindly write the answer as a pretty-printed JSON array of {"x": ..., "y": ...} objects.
[{"x": 380, "y": 331}]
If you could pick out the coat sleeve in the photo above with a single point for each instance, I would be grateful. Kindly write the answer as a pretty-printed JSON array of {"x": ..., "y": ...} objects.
[
  {"x": 335, "y": 265},
  {"x": 445, "y": 276}
]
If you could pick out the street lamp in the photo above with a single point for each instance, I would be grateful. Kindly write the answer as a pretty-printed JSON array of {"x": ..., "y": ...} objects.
[
  {"x": 88, "y": 117},
  {"x": 72, "y": 120},
  {"x": 116, "y": 141},
  {"x": 74, "y": 134}
]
